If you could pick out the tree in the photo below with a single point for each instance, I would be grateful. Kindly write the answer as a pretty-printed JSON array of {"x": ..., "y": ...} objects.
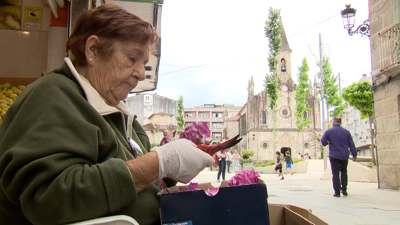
[
  {"x": 273, "y": 30},
  {"x": 360, "y": 96},
  {"x": 331, "y": 90},
  {"x": 179, "y": 118},
  {"x": 303, "y": 88}
]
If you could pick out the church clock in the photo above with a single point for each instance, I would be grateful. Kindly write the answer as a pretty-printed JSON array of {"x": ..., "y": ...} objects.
[{"x": 285, "y": 88}]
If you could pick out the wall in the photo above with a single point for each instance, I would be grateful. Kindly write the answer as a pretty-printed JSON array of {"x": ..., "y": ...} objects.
[
  {"x": 386, "y": 97},
  {"x": 24, "y": 52}
]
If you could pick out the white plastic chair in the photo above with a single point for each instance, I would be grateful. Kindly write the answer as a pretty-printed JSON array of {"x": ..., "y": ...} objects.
[{"x": 109, "y": 220}]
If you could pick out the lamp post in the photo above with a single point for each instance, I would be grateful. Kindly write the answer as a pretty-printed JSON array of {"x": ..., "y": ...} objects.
[{"x": 348, "y": 16}]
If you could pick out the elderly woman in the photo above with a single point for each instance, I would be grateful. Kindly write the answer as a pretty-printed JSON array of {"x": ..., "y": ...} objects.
[{"x": 70, "y": 149}]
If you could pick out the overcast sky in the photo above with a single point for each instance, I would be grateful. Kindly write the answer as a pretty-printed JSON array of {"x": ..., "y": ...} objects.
[{"x": 211, "y": 48}]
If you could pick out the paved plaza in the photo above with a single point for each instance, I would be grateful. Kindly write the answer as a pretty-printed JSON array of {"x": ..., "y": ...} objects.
[{"x": 366, "y": 204}]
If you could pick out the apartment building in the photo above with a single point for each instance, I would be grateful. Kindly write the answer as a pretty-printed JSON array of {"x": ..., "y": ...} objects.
[
  {"x": 143, "y": 105},
  {"x": 214, "y": 115}
]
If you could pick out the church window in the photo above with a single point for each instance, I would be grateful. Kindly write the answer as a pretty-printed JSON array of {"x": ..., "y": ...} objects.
[
  {"x": 264, "y": 145},
  {"x": 264, "y": 117},
  {"x": 283, "y": 65},
  {"x": 306, "y": 145},
  {"x": 284, "y": 112}
]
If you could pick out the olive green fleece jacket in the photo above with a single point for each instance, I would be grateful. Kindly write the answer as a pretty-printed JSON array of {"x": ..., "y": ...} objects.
[{"x": 62, "y": 161}]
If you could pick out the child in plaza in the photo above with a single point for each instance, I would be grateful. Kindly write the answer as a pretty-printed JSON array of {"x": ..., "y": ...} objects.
[
  {"x": 278, "y": 167},
  {"x": 289, "y": 163}
]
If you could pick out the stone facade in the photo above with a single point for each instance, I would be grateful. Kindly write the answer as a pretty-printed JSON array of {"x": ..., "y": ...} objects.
[
  {"x": 385, "y": 33},
  {"x": 256, "y": 120}
]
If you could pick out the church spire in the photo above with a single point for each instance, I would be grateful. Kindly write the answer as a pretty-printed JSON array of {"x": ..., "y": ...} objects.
[
  {"x": 285, "y": 43},
  {"x": 250, "y": 88}
]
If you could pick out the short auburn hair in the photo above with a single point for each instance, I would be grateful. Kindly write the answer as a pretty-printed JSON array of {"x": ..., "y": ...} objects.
[{"x": 109, "y": 22}]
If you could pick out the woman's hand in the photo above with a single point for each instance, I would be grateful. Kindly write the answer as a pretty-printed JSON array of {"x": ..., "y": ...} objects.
[{"x": 181, "y": 160}]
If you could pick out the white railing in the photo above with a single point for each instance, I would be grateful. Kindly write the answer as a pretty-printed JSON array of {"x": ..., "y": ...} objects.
[{"x": 389, "y": 47}]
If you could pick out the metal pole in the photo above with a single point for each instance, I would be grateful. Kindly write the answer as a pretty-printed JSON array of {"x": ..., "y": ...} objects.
[{"x": 322, "y": 96}]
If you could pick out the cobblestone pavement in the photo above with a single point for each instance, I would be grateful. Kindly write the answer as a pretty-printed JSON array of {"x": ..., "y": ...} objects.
[{"x": 366, "y": 204}]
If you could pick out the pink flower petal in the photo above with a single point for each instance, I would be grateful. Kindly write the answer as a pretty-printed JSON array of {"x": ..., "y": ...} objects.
[
  {"x": 212, "y": 191},
  {"x": 193, "y": 186}
]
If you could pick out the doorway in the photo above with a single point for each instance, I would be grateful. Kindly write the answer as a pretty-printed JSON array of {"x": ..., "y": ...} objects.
[{"x": 285, "y": 149}]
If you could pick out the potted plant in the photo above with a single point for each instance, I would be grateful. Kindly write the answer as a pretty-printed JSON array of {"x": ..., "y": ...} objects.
[{"x": 247, "y": 162}]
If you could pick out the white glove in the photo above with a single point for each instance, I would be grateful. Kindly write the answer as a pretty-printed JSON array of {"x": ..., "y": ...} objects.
[{"x": 181, "y": 161}]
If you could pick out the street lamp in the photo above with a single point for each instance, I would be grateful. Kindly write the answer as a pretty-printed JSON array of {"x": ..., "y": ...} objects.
[{"x": 348, "y": 16}]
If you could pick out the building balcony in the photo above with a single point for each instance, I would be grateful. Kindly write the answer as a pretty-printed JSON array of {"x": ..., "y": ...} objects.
[{"x": 389, "y": 51}]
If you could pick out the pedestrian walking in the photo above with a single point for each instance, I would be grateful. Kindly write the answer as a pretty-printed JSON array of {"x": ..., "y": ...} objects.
[
  {"x": 278, "y": 165},
  {"x": 229, "y": 160},
  {"x": 340, "y": 142},
  {"x": 221, "y": 164},
  {"x": 289, "y": 163}
]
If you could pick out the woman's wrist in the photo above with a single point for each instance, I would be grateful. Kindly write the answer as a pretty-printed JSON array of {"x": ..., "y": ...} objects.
[{"x": 144, "y": 170}]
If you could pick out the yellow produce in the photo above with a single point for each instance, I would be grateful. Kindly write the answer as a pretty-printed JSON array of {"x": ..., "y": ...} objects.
[{"x": 8, "y": 94}]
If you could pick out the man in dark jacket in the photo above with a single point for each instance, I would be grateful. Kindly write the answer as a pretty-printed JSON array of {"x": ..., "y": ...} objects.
[{"x": 340, "y": 141}]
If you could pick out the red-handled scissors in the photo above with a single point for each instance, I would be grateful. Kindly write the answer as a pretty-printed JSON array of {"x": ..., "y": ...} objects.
[{"x": 211, "y": 150}]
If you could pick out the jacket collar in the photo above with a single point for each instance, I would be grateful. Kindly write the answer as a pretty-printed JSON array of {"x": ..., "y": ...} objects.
[{"x": 94, "y": 98}]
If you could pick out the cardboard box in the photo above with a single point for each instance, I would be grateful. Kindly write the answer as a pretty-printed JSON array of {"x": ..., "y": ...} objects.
[
  {"x": 292, "y": 215},
  {"x": 239, "y": 205}
]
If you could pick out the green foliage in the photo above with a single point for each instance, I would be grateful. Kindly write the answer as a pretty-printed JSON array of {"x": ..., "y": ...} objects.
[
  {"x": 273, "y": 28},
  {"x": 247, "y": 154},
  {"x": 302, "y": 90},
  {"x": 269, "y": 163},
  {"x": 331, "y": 89},
  {"x": 360, "y": 96},
  {"x": 259, "y": 162},
  {"x": 242, "y": 160},
  {"x": 179, "y": 118},
  {"x": 297, "y": 160}
]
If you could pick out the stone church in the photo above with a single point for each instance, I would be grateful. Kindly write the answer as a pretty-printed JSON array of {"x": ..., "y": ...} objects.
[{"x": 255, "y": 120}]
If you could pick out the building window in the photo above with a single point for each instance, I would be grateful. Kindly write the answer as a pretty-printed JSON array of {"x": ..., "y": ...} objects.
[
  {"x": 306, "y": 145},
  {"x": 217, "y": 125},
  {"x": 264, "y": 117},
  {"x": 146, "y": 97},
  {"x": 264, "y": 145},
  {"x": 204, "y": 115},
  {"x": 217, "y": 115},
  {"x": 188, "y": 124},
  {"x": 189, "y": 115},
  {"x": 305, "y": 115},
  {"x": 216, "y": 136},
  {"x": 283, "y": 65}
]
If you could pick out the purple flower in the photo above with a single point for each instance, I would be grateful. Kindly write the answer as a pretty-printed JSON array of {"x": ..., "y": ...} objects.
[
  {"x": 197, "y": 133},
  {"x": 247, "y": 177}
]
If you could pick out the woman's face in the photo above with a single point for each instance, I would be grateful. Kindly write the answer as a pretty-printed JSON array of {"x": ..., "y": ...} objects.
[{"x": 116, "y": 77}]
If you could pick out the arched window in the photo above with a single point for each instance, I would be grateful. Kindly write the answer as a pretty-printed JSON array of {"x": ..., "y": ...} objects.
[
  {"x": 304, "y": 114},
  {"x": 264, "y": 117},
  {"x": 283, "y": 65}
]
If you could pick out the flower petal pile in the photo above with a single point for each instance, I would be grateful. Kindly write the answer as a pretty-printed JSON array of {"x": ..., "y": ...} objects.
[{"x": 247, "y": 177}]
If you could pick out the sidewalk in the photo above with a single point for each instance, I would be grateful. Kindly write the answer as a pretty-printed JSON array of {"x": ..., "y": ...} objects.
[{"x": 366, "y": 204}]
